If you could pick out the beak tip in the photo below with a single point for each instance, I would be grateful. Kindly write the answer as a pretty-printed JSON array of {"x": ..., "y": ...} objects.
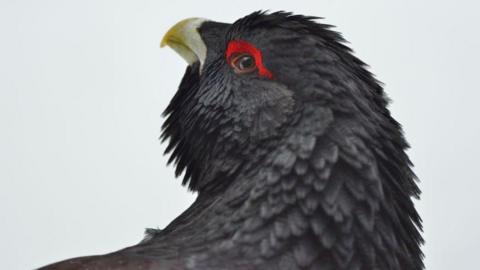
[{"x": 163, "y": 43}]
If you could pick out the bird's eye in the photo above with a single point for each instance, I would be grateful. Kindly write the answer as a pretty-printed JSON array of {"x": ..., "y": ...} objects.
[
  {"x": 244, "y": 58},
  {"x": 243, "y": 63}
]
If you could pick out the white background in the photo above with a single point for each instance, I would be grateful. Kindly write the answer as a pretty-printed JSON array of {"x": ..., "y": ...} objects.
[{"x": 83, "y": 84}]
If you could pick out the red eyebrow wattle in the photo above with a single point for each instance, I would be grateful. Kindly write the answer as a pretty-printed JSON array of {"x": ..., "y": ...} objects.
[{"x": 242, "y": 46}]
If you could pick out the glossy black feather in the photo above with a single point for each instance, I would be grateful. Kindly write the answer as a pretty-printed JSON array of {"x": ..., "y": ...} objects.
[{"x": 306, "y": 171}]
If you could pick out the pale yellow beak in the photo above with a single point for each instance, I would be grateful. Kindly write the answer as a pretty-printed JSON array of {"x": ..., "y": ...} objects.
[{"x": 184, "y": 38}]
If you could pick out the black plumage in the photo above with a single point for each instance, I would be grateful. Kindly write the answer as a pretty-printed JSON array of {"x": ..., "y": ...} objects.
[{"x": 307, "y": 170}]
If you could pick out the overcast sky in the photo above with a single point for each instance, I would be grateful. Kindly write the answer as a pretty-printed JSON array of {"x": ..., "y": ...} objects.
[{"x": 83, "y": 85}]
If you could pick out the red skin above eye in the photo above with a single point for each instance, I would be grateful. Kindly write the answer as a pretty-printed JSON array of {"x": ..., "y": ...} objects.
[{"x": 240, "y": 46}]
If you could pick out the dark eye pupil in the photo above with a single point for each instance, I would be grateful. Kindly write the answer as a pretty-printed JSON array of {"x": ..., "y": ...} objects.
[{"x": 246, "y": 62}]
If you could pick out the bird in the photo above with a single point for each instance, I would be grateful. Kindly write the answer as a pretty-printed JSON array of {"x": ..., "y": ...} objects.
[{"x": 286, "y": 137}]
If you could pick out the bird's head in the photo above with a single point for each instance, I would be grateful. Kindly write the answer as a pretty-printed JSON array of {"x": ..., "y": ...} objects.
[{"x": 251, "y": 84}]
